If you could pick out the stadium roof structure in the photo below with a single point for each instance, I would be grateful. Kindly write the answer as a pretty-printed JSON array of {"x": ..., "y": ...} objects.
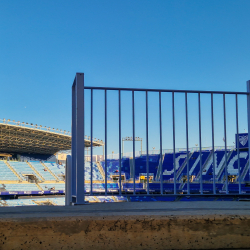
[{"x": 16, "y": 137}]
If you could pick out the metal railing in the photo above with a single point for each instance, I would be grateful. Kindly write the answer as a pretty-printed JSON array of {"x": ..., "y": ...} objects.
[{"x": 78, "y": 165}]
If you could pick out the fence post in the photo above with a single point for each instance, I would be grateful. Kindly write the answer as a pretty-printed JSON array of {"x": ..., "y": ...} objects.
[
  {"x": 68, "y": 181},
  {"x": 248, "y": 119},
  {"x": 79, "y": 139},
  {"x": 73, "y": 144}
]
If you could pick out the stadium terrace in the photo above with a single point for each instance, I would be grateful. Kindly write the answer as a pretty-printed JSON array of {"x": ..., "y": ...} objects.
[{"x": 40, "y": 178}]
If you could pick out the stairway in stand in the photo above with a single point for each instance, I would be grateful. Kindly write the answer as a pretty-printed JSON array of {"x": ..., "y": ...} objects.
[
  {"x": 37, "y": 173},
  {"x": 13, "y": 170},
  {"x": 57, "y": 179}
]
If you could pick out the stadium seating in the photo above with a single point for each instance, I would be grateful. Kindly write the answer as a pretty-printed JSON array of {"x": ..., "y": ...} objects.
[
  {"x": 95, "y": 174},
  {"x": 129, "y": 187},
  {"x": 105, "y": 199},
  {"x": 52, "y": 186},
  {"x": 234, "y": 188},
  {"x": 150, "y": 198},
  {"x": 21, "y": 187},
  {"x": 204, "y": 158},
  {"x": 56, "y": 169},
  {"x": 193, "y": 198},
  {"x": 126, "y": 167},
  {"x": 167, "y": 187},
  {"x": 100, "y": 187},
  {"x": 58, "y": 201},
  {"x": 6, "y": 174},
  {"x": 168, "y": 164},
  {"x": 21, "y": 202},
  {"x": 141, "y": 165},
  {"x": 113, "y": 167},
  {"x": 48, "y": 182},
  {"x": 42, "y": 171},
  {"x": 22, "y": 168},
  {"x": 121, "y": 198},
  {"x": 220, "y": 159}
]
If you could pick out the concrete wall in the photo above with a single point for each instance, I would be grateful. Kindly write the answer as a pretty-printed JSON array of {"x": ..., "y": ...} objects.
[{"x": 126, "y": 232}]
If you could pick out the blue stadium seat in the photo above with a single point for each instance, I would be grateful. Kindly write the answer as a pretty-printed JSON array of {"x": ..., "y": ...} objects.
[
  {"x": 42, "y": 171},
  {"x": 6, "y": 173}
]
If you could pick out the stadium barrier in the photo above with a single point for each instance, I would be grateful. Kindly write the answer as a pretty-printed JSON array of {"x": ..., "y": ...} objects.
[
  {"x": 77, "y": 182},
  {"x": 32, "y": 192}
]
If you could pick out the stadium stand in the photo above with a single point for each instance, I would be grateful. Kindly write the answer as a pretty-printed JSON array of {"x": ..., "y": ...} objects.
[
  {"x": 52, "y": 186},
  {"x": 21, "y": 187},
  {"x": 6, "y": 173},
  {"x": 129, "y": 187},
  {"x": 24, "y": 170},
  {"x": 141, "y": 165},
  {"x": 46, "y": 175},
  {"x": 150, "y": 198},
  {"x": 56, "y": 169},
  {"x": 168, "y": 163},
  {"x": 58, "y": 201},
  {"x": 96, "y": 174},
  {"x": 42, "y": 177}
]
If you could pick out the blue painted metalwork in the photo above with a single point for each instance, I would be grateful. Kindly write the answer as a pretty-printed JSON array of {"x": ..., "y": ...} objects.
[
  {"x": 237, "y": 141},
  {"x": 79, "y": 189},
  {"x": 212, "y": 124},
  {"x": 225, "y": 140},
  {"x": 201, "y": 171},
  {"x": 133, "y": 122},
  {"x": 120, "y": 140},
  {"x": 91, "y": 142},
  {"x": 248, "y": 117},
  {"x": 160, "y": 123},
  {"x": 186, "y": 110}
]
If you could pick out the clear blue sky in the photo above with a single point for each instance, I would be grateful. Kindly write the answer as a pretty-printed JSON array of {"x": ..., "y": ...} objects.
[{"x": 152, "y": 44}]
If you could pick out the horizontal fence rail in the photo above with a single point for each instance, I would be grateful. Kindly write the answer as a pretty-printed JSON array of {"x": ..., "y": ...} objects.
[
  {"x": 180, "y": 183},
  {"x": 168, "y": 90}
]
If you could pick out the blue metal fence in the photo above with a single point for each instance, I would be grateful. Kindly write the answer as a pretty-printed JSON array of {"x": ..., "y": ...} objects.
[{"x": 78, "y": 188}]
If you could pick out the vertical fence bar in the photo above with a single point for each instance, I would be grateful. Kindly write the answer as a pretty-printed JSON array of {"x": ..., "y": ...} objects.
[
  {"x": 186, "y": 108},
  {"x": 73, "y": 139},
  {"x": 106, "y": 153},
  {"x": 248, "y": 119},
  {"x": 120, "y": 138},
  {"x": 147, "y": 166},
  {"x": 91, "y": 143},
  {"x": 174, "y": 165},
  {"x": 199, "y": 104},
  {"x": 133, "y": 120},
  {"x": 122, "y": 148},
  {"x": 68, "y": 181},
  {"x": 212, "y": 121},
  {"x": 237, "y": 143},
  {"x": 225, "y": 140},
  {"x": 80, "y": 143},
  {"x": 160, "y": 122}
]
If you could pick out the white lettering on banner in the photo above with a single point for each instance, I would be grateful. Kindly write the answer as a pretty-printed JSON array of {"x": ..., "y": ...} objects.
[
  {"x": 231, "y": 169},
  {"x": 217, "y": 169},
  {"x": 177, "y": 165},
  {"x": 234, "y": 171},
  {"x": 194, "y": 166},
  {"x": 209, "y": 164}
]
